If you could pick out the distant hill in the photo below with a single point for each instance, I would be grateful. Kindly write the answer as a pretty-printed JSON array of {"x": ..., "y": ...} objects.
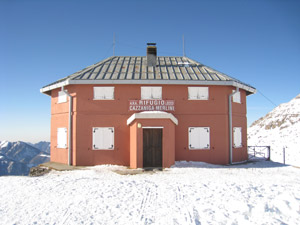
[
  {"x": 16, "y": 158},
  {"x": 279, "y": 129}
]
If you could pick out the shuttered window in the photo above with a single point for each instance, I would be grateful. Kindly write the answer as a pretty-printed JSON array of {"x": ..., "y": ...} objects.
[
  {"x": 236, "y": 97},
  {"x": 237, "y": 137},
  {"x": 199, "y": 138},
  {"x": 103, "y": 138},
  {"x": 104, "y": 93},
  {"x": 151, "y": 92},
  {"x": 62, "y": 97},
  {"x": 198, "y": 93},
  {"x": 62, "y": 137}
]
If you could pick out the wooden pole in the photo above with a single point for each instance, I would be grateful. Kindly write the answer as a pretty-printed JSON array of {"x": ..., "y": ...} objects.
[{"x": 284, "y": 155}]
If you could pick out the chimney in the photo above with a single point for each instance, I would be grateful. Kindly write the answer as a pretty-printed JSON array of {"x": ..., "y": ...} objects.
[{"x": 151, "y": 54}]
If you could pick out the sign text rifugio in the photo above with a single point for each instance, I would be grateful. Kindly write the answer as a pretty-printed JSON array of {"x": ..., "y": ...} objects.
[{"x": 151, "y": 105}]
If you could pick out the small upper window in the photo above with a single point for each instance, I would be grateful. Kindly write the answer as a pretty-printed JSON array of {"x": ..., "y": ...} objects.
[
  {"x": 62, "y": 97},
  {"x": 198, "y": 93},
  {"x": 151, "y": 92},
  {"x": 104, "y": 93},
  {"x": 236, "y": 97}
]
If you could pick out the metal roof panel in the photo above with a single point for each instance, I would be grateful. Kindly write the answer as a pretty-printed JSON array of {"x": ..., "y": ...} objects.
[{"x": 169, "y": 69}]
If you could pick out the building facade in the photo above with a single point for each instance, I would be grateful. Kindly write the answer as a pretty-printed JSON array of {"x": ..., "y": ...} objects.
[{"x": 148, "y": 112}]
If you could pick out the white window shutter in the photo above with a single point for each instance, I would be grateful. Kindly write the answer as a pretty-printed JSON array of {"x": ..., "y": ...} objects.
[
  {"x": 62, "y": 97},
  {"x": 192, "y": 93},
  {"x": 194, "y": 138},
  {"x": 237, "y": 137},
  {"x": 199, "y": 138},
  {"x": 96, "y": 138},
  {"x": 156, "y": 93},
  {"x": 109, "y": 93},
  {"x": 151, "y": 92},
  {"x": 104, "y": 93},
  {"x": 103, "y": 138},
  {"x": 203, "y": 93},
  {"x": 204, "y": 138},
  {"x": 236, "y": 97},
  {"x": 198, "y": 93},
  {"x": 109, "y": 137},
  {"x": 62, "y": 137},
  {"x": 98, "y": 93},
  {"x": 145, "y": 93}
]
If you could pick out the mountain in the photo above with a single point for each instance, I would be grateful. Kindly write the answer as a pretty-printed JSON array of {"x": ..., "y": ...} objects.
[
  {"x": 42, "y": 145},
  {"x": 279, "y": 129},
  {"x": 16, "y": 158}
]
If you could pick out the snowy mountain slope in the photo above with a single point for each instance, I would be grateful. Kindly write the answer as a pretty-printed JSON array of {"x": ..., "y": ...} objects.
[
  {"x": 12, "y": 167},
  {"x": 188, "y": 193},
  {"x": 279, "y": 129},
  {"x": 42, "y": 145},
  {"x": 18, "y": 157}
]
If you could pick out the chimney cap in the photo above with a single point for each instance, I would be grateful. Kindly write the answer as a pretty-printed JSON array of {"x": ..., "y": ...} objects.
[{"x": 151, "y": 43}]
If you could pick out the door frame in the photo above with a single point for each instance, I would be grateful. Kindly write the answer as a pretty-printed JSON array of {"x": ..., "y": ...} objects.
[{"x": 162, "y": 131}]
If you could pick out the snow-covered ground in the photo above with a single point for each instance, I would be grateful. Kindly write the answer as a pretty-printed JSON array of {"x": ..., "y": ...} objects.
[{"x": 188, "y": 193}]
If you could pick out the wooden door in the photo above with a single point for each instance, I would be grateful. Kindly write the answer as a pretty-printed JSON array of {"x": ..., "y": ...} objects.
[{"x": 152, "y": 147}]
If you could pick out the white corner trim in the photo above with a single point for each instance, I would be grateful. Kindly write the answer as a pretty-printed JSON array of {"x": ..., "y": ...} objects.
[
  {"x": 56, "y": 85},
  {"x": 152, "y": 115}
]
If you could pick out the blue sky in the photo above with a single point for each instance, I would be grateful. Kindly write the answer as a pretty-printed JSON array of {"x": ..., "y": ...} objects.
[{"x": 257, "y": 42}]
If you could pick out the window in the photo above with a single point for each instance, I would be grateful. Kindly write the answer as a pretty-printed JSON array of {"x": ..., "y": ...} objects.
[
  {"x": 199, "y": 138},
  {"x": 151, "y": 92},
  {"x": 198, "y": 93},
  {"x": 103, "y": 138},
  {"x": 236, "y": 97},
  {"x": 104, "y": 93},
  {"x": 62, "y": 137},
  {"x": 237, "y": 137},
  {"x": 62, "y": 97}
]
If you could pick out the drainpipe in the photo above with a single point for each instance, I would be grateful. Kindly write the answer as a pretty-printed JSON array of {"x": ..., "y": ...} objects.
[
  {"x": 230, "y": 123},
  {"x": 70, "y": 126}
]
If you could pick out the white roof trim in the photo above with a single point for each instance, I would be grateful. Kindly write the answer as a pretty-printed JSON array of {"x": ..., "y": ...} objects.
[
  {"x": 152, "y": 115},
  {"x": 166, "y": 82},
  {"x": 244, "y": 87},
  {"x": 54, "y": 86}
]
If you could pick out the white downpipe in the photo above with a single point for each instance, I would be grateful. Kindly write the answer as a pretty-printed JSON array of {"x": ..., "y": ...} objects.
[
  {"x": 230, "y": 123},
  {"x": 70, "y": 126}
]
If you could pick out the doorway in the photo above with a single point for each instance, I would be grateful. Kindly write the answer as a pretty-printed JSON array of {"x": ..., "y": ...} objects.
[{"x": 152, "y": 147}]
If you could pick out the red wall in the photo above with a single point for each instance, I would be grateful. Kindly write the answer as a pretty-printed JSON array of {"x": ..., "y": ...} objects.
[{"x": 89, "y": 113}]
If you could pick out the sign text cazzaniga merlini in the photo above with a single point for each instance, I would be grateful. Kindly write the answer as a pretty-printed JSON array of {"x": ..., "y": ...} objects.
[{"x": 151, "y": 105}]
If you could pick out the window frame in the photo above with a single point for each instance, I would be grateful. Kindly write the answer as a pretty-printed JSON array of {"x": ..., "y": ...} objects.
[
  {"x": 102, "y": 147},
  {"x": 201, "y": 131},
  {"x": 206, "y": 90},
  {"x": 103, "y": 96},
  {"x": 151, "y": 91}
]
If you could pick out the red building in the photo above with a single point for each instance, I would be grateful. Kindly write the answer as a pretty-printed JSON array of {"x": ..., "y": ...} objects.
[{"x": 148, "y": 111}]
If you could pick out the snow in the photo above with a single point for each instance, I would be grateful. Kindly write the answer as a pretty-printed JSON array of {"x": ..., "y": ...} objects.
[
  {"x": 188, "y": 193},
  {"x": 3, "y": 144}
]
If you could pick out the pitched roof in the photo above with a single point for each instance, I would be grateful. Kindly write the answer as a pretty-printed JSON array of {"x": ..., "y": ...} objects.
[{"x": 134, "y": 70}]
